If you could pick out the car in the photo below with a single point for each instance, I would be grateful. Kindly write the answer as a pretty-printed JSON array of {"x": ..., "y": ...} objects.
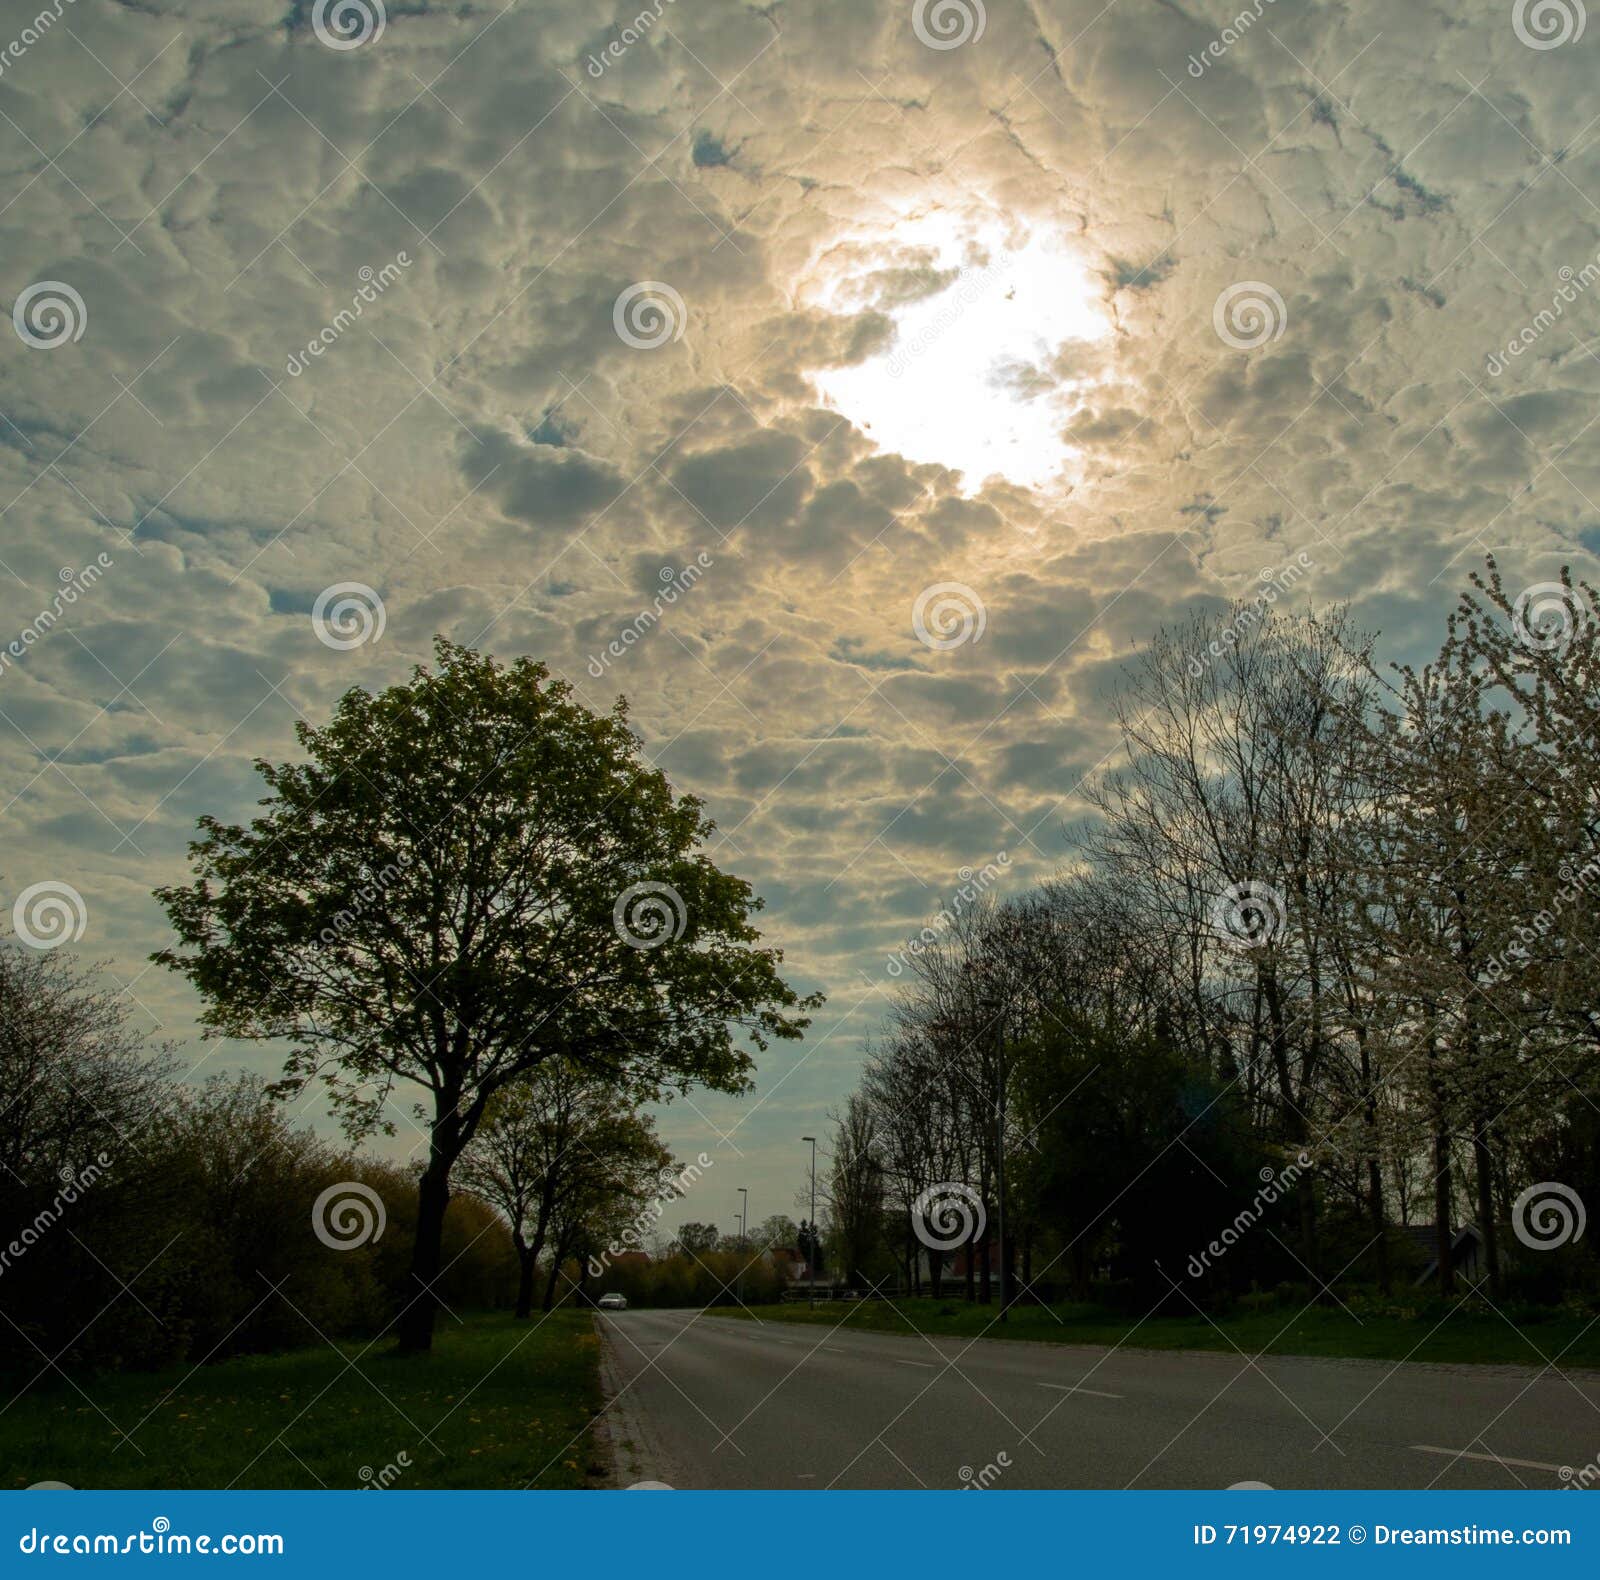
[{"x": 613, "y": 1302}]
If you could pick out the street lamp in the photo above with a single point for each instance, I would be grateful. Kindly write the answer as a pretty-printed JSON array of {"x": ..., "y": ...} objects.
[
  {"x": 811, "y": 1249},
  {"x": 744, "y": 1240}
]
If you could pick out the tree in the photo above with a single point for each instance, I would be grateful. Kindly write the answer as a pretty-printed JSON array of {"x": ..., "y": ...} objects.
[
  {"x": 696, "y": 1239},
  {"x": 619, "y": 1165},
  {"x": 778, "y": 1229},
  {"x": 856, "y": 1189},
  {"x": 465, "y": 876},
  {"x": 553, "y": 1140}
]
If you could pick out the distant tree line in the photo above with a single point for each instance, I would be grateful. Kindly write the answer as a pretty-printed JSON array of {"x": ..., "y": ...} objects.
[{"x": 1325, "y": 966}]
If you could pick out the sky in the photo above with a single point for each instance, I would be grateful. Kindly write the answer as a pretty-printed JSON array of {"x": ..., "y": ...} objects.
[{"x": 853, "y": 386}]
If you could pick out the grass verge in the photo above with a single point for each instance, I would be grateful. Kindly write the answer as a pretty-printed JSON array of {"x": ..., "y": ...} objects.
[
  {"x": 497, "y": 1404},
  {"x": 1462, "y": 1334}
]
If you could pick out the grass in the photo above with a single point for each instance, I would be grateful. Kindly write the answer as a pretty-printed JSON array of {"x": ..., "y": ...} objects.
[
  {"x": 498, "y": 1403},
  {"x": 1465, "y": 1335}
]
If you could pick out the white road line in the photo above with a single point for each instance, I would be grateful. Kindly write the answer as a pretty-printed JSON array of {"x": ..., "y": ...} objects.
[
  {"x": 1063, "y": 1388},
  {"x": 1490, "y": 1459}
]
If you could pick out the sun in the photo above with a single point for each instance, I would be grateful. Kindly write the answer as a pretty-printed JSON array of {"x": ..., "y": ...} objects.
[{"x": 993, "y": 345}]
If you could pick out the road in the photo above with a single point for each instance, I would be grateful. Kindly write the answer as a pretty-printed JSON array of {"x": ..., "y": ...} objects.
[{"x": 706, "y": 1401}]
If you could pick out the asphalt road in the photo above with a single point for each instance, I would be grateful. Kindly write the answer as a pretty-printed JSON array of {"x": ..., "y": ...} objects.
[{"x": 705, "y": 1401}]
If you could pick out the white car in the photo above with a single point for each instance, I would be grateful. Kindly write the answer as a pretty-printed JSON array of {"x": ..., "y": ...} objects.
[{"x": 613, "y": 1302}]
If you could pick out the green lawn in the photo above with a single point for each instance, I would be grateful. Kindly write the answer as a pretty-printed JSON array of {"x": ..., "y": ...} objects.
[
  {"x": 1461, "y": 1335},
  {"x": 499, "y": 1403}
]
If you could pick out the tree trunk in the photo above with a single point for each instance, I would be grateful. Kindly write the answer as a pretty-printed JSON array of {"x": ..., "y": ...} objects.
[
  {"x": 1441, "y": 1212},
  {"x": 527, "y": 1266},
  {"x": 415, "y": 1324},
  {"x": 1484, "y": 1167}
]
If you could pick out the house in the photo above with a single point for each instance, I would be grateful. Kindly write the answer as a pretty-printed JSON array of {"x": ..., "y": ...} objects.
[{"x": 1467, "y": 1256}]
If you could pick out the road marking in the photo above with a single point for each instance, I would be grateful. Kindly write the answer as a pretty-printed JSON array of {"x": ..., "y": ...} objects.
[
  {"x": 1490, "y": 1459},
  {"x": 1063, "y": 1388},
  {"x": 898, "y": 1362}
]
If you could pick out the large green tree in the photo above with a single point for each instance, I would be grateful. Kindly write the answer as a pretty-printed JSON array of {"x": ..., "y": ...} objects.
[{"x": 463, "y": 876}]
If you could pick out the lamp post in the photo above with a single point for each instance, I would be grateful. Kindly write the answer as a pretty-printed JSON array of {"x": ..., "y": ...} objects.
[
  {"x": 744, "y": 1240},
  {"x": 811, "y": 1248}
]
